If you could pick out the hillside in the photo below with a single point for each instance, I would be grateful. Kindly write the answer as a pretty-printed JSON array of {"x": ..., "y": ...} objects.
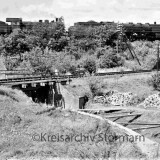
[{"x": 26, "y": 130}]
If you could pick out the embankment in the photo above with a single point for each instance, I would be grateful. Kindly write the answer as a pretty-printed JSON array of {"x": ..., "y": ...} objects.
[{"x": 61, "y": 133}]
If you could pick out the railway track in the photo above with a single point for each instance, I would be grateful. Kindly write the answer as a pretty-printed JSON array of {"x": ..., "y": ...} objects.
[
  {"x": 27, "y": 77},
  {"x": 124, "y": 72},
  {"x": 125, "y": 117}
]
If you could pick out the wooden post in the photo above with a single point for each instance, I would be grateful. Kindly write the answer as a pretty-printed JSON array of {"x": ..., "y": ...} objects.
[
  {"x": 117, "y": 68},
  {"x": 157, "y": 58}
]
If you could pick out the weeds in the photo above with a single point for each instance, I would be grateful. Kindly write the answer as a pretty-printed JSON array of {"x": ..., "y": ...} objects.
[
  {"x": 155, "y": 81},
  {"x": 95, "y": 85}
]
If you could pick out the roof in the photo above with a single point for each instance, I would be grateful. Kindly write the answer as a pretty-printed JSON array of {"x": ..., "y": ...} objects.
[
  {"x": 1, "y": 22},
  {"x": 13, "y": 19}
]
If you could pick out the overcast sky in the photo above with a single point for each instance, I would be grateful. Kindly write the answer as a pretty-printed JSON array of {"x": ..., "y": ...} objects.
[{"x": 82, "y": 10}]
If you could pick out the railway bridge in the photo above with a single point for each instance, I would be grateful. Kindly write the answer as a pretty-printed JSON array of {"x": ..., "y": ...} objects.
[
  {"x": 40, "y": 89},
  {"x": 46, "y": 89}
]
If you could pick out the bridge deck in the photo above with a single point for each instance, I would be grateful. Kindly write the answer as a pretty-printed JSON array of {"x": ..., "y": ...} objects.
[{"x": 32, "y": 81}]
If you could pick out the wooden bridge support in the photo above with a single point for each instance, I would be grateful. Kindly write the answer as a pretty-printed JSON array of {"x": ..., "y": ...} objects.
[
  {"x": 58, "y": 98},
  {"x": 43, "y": 91},
  {"x": 50, "y": 96},
  {"x": 40, "y": 93}
]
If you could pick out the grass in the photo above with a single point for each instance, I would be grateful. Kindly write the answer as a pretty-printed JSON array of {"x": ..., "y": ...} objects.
[
  {"x": 116, "y": 69},
  {"x": 16, "y": 140},
  {"x": 13, "y": 94},
  {"x": 19, "y": 121},
  {"x": 138, "y": 84}
]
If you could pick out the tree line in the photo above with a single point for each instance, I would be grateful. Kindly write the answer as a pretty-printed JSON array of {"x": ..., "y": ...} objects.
[{"x": 48, "y": 46}]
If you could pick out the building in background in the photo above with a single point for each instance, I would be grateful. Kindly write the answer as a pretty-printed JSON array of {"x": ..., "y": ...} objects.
[
  {"x": 93, "y": 23},
  {"x": 15, "y": 23},
  {"x": 4, "y": 28}
]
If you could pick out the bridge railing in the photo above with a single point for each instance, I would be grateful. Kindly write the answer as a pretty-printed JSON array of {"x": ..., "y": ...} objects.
[
  {"x": 20, "y": 77},
  {"x": 34, "y": 78}
]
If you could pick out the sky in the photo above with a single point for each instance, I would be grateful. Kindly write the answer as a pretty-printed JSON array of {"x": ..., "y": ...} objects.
[{"x": 137, "y": 11}]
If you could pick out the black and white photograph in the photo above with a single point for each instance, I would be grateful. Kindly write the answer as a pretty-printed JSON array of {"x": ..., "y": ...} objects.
[{"x": 79, "y": 80}]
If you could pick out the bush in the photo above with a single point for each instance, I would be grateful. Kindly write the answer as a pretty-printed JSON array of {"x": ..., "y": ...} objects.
[
  {"x": 87, "y": 94},
  {"x": 146, "y": 53},
  {"x": 68, "y": 64},
  {"x": 155, "y": 81},
  {"x": 133, "y": 65},
  {"x": 89, "y": 63},
  {"x": 110, "y": 59},
  {"x": 95, "y": 85}
]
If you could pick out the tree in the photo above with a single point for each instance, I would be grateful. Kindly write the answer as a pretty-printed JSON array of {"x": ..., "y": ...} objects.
[
  {"x": 110, "y": 59},
  {"x": 155, "y": 81},
  {"x": 41, "y": 62},
  {"x": 89, "y": 63},
  {"x": 89, "y": 38},
  {"x": 19, "y": 42},
  {"x": 52, "y": 35}
]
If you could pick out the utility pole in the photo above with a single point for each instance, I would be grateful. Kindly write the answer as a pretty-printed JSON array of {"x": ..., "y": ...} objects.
[
  {"x": 117, "y": 45},
  {"x": 117, "y": 69},
  {"x": 157, "y": 63},
  {"x": 119, "y": 29},
  {"x": 157, "y": 58}
]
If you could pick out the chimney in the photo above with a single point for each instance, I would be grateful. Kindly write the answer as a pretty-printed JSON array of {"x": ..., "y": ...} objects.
[
  {"x": 40, "y": 21},
  {"x": 154, "y": 22}
]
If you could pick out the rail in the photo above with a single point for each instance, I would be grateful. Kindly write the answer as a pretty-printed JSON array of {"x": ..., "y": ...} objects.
[
  {"x": 123, "y": 72},
  {"x": 117, "y": 115},
  {"x": 32, "y": 77}
]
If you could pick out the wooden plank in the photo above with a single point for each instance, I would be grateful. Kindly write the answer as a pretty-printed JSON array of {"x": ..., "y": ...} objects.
[
  {"x": 29, "y": 81},
  {"x": 148, "y": 147},
  {"x": 109, "y": 109},
  {"x": 117, "y": 119},
  {"x": 138, "y": 123},
  {"x": 120, "y": 112},
  {"x": 145, "y": 127},
  {"x": 116, "y": 116},
  {"x": 133, "y": 119}
]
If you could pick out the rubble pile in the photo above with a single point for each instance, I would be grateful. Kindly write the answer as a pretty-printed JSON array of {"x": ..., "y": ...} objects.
[
  {"x": 116, "y": 98},
  {"x": 99, "y": 99},
  {"x": 152, "y": 101},
  {"x": 121, "y": 99}
]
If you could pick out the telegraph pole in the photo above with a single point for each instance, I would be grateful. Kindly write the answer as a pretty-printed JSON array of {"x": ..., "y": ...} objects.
[
  {"x": 157, "y": 58},
  {"x": 119, "y": 30}
]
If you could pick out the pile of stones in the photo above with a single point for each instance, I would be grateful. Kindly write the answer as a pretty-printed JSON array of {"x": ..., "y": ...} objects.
[
  {"x": 104, "y": 98},
  {"x": 116, "y": 98},
  {"x": 152, "y": 101},
  {"x": 121, "y": 99},
  {"x": 99, "y": 99}
]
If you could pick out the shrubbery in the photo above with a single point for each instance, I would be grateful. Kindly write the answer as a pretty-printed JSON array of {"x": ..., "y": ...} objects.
[
  {"x": 95, "y": 85},
  {"x": 110, "y": 61},
  {"x": 155, "y": 81},
  {"x": 146, "y": 52},
  {"x": 90, "y": 47},
  {"x": 89, "y": 63}
]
